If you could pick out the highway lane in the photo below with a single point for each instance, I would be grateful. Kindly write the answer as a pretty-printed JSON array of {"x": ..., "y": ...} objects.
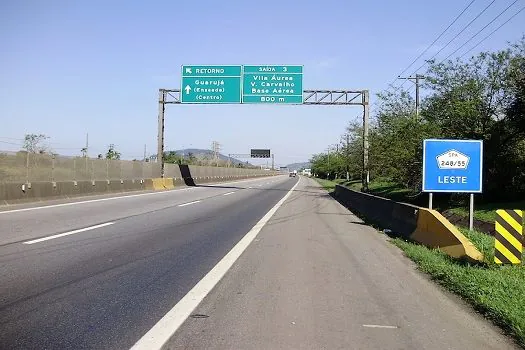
[
  {"x": 24, "y": 222},
  {"x": 106, "y": 287},
  {"x": 316, "y": 277}
]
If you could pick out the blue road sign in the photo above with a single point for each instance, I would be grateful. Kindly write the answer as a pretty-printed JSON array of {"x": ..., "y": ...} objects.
[{"x": 452, "y": 166}]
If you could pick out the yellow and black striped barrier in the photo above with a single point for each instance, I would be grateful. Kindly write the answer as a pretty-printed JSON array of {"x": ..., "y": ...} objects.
[{"x": 509, "y": 236}]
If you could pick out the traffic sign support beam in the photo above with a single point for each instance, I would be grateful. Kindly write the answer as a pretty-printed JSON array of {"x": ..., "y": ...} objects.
[{"x": 310, "y": 97}]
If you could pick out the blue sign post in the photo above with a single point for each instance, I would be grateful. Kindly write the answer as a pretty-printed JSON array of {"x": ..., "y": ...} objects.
[{"x": 453, "y": 166}]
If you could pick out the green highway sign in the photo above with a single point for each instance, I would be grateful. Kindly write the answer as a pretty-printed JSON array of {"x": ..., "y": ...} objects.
[
  {"x": 272, "y": 84},
  {"x": 211, "y": 84}
]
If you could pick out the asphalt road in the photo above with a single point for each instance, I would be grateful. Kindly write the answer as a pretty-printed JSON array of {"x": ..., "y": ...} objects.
[
  {"x": 105, "y": 287},
  {"x": 99, "y": 274},
  {"x": 316, "y": 277}
]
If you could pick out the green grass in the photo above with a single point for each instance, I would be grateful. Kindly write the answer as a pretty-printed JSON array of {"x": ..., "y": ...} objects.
[
  {"x": 487, "y": 211},
  {"x": 327, "y": 184},
  {"x": 483, "y": 242},
  {"x": 497, "y": 292}
]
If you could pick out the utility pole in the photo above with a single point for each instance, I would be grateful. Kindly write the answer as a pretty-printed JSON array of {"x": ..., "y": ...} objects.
[
  {"x": 273, "y": 161},
  {"x": 86, "y": 154},
  {"x": 216, "y": 147},
  {"x": 87, "y": 143},
  {"x": 365, "y": 178},
  {"x": 160, "y": 137},
  {"x": 347, "y": 156},
  {"x": 415, "y": 80},
  {"x": 144, "y": 153}
]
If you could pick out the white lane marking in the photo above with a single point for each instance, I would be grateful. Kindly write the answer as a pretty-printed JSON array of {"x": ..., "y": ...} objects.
[
  {"x": 189, "y": 203},
  {"x": 227, "y": 194},
  {"x": 119, "y": 197},
  {"x": 68, "y": 233},
  {"x": 379, "y": 326},
  {"x": 161, "y": 332}
]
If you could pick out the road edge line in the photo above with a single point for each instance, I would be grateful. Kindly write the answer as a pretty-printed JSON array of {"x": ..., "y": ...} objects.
[{"x": 166, "y": 327}]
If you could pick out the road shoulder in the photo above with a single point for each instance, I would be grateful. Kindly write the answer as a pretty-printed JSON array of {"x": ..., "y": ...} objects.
[{"x": 317, "y": 277}]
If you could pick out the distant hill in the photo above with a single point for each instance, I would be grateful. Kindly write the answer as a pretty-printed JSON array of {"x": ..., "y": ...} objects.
[
  {"x": 299, "y": 166},
  {"x": 207, "y": 154}
]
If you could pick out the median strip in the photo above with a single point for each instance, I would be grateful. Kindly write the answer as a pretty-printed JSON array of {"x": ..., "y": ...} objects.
[{"x": 68, "y": 233}]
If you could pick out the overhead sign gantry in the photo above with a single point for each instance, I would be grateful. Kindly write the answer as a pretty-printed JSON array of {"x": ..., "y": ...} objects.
[{"x": 249, "y": 84}]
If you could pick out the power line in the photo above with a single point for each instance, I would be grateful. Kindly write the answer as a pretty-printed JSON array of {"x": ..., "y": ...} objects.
[
  {"x": 11, "y": 138},
  {"x": 479, "y": 31},
  {"x": 454, "y": 38},
  {"x": 435, "y": 40},
  {"x": 494, "y": 31},
  {"x": 10, "y": 143},
  {"x": 485, "y": 38}
]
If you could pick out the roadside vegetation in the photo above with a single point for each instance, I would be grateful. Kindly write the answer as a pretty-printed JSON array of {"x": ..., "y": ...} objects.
[
  {"x": 496, "y": 292},
  {"x": 482, "y": 98}
]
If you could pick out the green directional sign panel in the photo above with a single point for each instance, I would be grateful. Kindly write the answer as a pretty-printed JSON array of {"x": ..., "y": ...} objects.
[
  {"x": 211, "y": 84},
  {"x": 272, "y": 84}
]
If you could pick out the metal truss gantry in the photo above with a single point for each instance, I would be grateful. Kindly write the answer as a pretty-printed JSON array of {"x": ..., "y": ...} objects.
[
  {"x": 310, "y": 97},
  {"x": 249, "y": 156}
]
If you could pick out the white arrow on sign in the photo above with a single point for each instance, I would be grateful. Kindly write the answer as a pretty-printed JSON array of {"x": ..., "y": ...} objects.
[
  {"x": 188, "y": 89},
  {"x": 188, "y": 70}
]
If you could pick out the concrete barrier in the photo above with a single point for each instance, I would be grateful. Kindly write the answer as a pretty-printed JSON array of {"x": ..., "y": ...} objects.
[
  {"x": 168, "y": 183},
  {"x": 434, "y": 230},
  {"x": 421, "y": 225},
  {"x": 12, "y": 193}
]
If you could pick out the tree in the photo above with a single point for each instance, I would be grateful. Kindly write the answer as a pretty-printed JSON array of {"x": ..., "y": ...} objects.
[
  {"x": 112, "y": 153},
  {"x": 483, "y": 99},
  {"x": 33, "y": 143},
  {"x": 172, "y": 157},
  {"x": 191, "y": 158}
]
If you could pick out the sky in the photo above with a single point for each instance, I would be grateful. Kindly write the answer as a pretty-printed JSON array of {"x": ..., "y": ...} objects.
[{"x": 71, "y": 68}]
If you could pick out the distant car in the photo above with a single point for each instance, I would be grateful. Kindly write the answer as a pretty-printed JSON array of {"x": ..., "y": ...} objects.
[{"x": 293, "y": 173}]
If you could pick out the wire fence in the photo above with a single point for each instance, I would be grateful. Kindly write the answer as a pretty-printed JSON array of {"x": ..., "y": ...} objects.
[
  {"x": 24, "y": 167},
  {"x": 31, "y": 167}
]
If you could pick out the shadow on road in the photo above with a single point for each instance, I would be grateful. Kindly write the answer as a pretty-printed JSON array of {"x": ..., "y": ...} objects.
[{"x": 186, "y": 175}]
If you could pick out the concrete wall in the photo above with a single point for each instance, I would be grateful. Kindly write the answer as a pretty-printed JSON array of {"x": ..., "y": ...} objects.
[
  {"x": 422, "y": 225},
  {"x": 176, "y": 175}
]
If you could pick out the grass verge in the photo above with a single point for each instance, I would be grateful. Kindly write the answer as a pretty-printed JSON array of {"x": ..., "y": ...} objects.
[
  {"x": 487, "y": 211},
  {"x": 327, "y": 184},
  {"x": 497, "y": 292}
]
